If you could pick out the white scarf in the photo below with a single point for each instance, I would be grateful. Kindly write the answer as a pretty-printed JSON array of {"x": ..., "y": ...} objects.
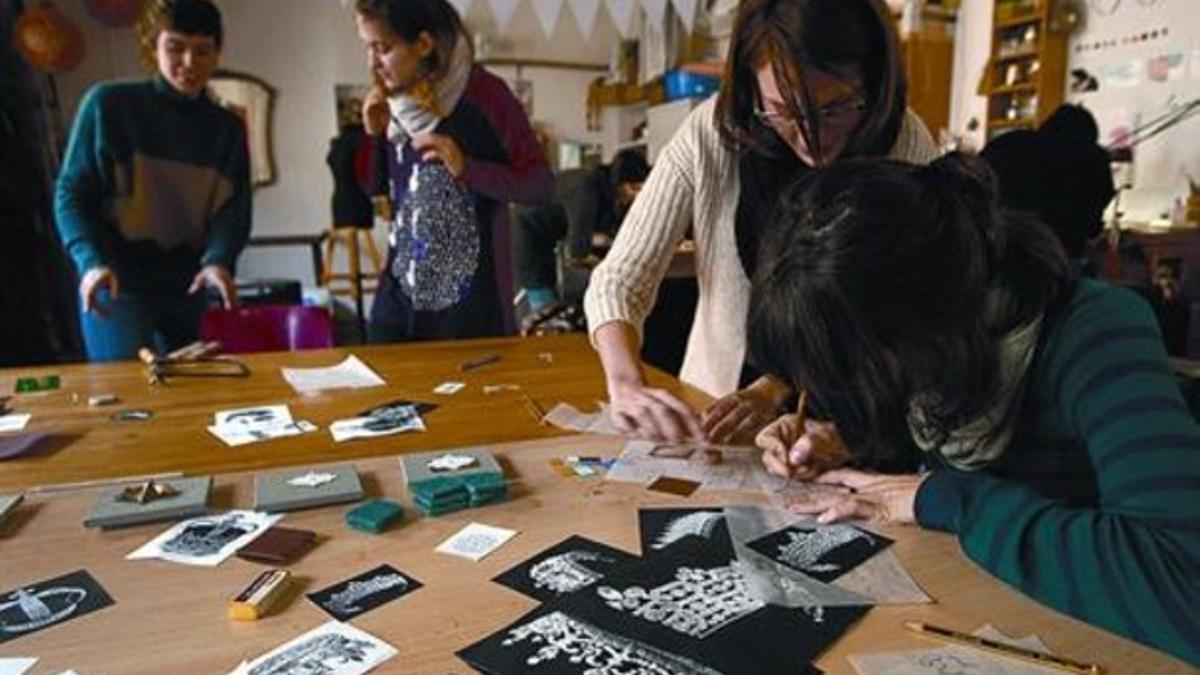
[
  {"x": 410, "y": 117},
  {"x": 981, "y": 441}
]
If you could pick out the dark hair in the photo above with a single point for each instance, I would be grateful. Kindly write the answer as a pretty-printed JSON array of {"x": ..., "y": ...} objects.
[
  {"x": 871, "y": 289},
  {"x": 190, "y": 17},
  {"x": 629, "y": 166},
  {"x": 793, "y": 35},
  {"x": 1058, "y": 173},
  {"x": 1072, "y": 121},
  {"x": 409, "y": 18}
]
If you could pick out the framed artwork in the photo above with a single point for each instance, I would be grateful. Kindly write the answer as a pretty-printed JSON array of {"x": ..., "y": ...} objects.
[{"x": 253, "y": 100}]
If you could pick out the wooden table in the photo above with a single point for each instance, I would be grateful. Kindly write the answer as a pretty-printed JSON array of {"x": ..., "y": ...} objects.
[
  {"x": 172, "y": 618},
  {"x": 89, "y": 445}
]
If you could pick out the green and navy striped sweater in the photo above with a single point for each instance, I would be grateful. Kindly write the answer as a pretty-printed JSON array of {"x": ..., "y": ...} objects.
[
  {"x": 1094, "y": 509},
  {"x": 154, "y": 184}
]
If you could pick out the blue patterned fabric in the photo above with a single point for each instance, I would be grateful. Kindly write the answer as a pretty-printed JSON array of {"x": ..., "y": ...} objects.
[{"x": 436, "y": 240}]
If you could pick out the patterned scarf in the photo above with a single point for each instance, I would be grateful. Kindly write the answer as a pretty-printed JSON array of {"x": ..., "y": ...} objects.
[
  {"x": 981, "y": 441},
  {"x": 418, "y": 110}
]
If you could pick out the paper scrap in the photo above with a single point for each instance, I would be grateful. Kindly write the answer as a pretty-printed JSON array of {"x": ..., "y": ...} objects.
[
  {"x": 312, "y": 479},
  {"x": 449, "y": 388},
  {"x": 14, "y": 422},
  {"x": 334, "y": 648},
  {"x": 208, "y": 540},
  {"x": 16, "y": 666},
  {"x": 954, "y": 659},
  {"x": 567, "y": 416},
  {"x": 17, "y": 445},
  {"x": 476, "y": 541},
  {"x": 349, "y": 374}
]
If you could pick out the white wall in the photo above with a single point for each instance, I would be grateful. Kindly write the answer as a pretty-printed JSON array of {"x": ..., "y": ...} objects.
[
  {"x": 303, "y": 48},
  {"x": 1160, "y": 164},
  {"x": 972, "y": 46}
]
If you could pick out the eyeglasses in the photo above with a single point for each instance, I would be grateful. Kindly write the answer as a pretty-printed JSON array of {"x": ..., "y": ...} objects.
[{"x": 829, "y": 112}]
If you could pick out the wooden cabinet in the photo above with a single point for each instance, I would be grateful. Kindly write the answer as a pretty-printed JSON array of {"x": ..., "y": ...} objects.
[{"x": 1026, "y": 75}]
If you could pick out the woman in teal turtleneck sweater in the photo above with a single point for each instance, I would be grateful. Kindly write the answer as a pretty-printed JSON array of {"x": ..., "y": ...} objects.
[{"x": 153, "y": 200}]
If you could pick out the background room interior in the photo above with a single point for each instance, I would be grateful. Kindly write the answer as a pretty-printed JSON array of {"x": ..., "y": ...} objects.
[{"x": 593, "y": 88}]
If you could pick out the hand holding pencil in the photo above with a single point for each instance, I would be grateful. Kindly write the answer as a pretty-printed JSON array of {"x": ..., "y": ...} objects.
[{"x": 796, "y": 447}]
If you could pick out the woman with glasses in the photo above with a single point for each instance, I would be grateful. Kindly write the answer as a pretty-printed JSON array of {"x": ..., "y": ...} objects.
[{"x": 807, "y": 83}]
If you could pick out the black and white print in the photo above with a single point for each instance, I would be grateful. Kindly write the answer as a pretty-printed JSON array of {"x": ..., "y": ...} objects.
[
  {"x": 364, "y": 592},
  {"x": 681, "y": 610},
  {"x": 29, "y": 609},
  {"x": 659, "y": 528},
  {"x": 555, "y": 642},
  {"x": 568, "y": 566},
  {"x": 206, "y": 541},
  {"x": 332, "y": 649},
  {"x": 821, "y": 552},
  {"x": 396, "y": 417}
]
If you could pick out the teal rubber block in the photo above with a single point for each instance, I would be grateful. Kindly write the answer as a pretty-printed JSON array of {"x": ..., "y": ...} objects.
[{"x": 374, "y": 516}]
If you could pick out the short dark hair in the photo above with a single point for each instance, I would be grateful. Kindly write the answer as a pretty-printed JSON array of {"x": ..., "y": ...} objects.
[
  {"x": 794, "y": 35},
  {"x": 192, "y": 17},
  {"x": 629, "y": 166},
  {"x": 871, "y": 288},
  {"x": 1058, "y": 173},
  {"x": 409, "y": 18}
]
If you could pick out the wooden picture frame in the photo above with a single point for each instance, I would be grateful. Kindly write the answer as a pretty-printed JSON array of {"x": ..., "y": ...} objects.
[{"x": 253, "y": 100}]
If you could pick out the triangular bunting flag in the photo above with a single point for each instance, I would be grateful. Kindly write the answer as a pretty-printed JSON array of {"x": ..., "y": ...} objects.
[
  {"x": 463, "y": 6},
  {"x": 656, "y": 13},
  {"x": 547, "y": 14},
  {"x": 584, "y": 12},
  {"x": 686, "y": 9},
  {"x": 621, "y": 12},
  {"x": 502, "y": 13}
]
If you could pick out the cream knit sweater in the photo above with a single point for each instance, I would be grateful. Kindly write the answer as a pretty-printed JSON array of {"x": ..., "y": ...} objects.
[{"x": 695, "y": 183}]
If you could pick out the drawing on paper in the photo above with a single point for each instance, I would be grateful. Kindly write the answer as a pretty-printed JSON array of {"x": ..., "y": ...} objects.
[
  {"x": 698, "y": 603},
  {"x": 346, "y": 602},
  {"x": 26, "y": 610},
  {"x": 700, "y": 523},
  {"x": 207, "y": 536},
  {"x": 602, "y": 653},
  {"x": 567, "y": 572}
]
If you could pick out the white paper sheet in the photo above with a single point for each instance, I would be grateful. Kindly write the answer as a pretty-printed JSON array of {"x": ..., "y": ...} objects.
[
  {"x": 208, "y": 540},
  {"x": 334, "y": 648},
  {"x": 449, "y": 388},
  {"x": 476, "y": 541},
  {"x": 953, "y": 659},
  {"x": 349, "y": 374},
  {"x": 14, "y": 422},
  {"x": 16, "y": 666},
  {"x": 636, "y": 464}
]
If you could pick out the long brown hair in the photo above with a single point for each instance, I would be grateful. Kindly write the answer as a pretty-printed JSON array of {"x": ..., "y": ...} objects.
[
  {"x": 409, "y": 18},
  {"x": 830, "y": 35}
]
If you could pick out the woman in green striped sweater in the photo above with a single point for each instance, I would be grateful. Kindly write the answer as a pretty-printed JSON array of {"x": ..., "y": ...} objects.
[{"x": 935, "y": 331}]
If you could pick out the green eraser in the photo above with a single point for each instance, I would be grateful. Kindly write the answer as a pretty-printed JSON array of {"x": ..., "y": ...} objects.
[{"x": 374, "y": 516}]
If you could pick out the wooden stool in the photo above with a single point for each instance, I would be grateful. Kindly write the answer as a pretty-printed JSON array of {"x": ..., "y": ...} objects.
[{"x": 331, "y": 279}]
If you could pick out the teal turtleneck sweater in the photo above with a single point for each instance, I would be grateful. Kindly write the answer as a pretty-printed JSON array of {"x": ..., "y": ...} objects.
[{"x": 153, "y": 185}]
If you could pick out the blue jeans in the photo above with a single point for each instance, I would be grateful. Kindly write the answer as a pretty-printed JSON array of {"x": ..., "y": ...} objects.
[{"x": 162, "y": 321}]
